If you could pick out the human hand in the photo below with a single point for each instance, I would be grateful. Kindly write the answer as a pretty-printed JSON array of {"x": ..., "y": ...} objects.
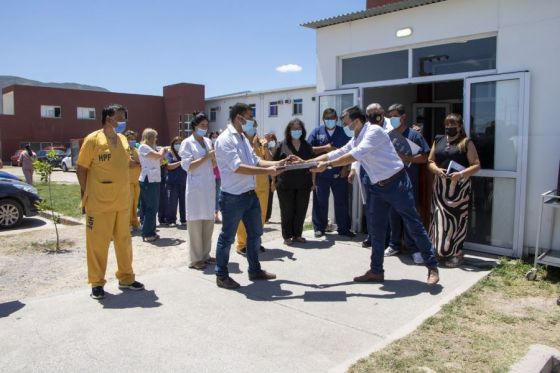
[
  {"x": 351, "y": 176},
  {"x": 455, "y": 176},
  {"x": 321, "y": 166},
  {"x": 275, "y": 170},
  {"x": 293, "y": 159},
  {"x": 273, "y": 187},
  {"x": 211, "y": 154},
  {"x": 441, "y": 172}
]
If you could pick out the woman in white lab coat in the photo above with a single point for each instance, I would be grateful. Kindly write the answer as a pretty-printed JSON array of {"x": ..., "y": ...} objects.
[{"x": 197, "y": 157}]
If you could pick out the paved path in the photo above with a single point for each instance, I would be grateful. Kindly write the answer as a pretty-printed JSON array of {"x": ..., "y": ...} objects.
[{"x": 313, "y": 318}]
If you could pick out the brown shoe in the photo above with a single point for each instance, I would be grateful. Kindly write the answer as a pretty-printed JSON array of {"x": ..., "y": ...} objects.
[
  {"x": 198, "y": 265},
  {"x": 210, "y": 260},
  {"x": 262, "y": 275},
  {"x": 227, "y": 283},
  {"x": 433, "y": 277},
  {"x": 370, "y": 277}
]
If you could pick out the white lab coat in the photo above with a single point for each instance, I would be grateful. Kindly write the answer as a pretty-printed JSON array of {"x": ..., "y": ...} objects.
[{"x": 200, "y": 197}]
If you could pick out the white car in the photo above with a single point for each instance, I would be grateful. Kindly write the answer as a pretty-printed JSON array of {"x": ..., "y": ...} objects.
[{"x": 66, "y": 164}]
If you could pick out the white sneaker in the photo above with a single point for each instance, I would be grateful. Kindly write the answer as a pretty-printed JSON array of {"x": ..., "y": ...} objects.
[
  {"x": 417, "y": 258},
  {"x": 389, "y": 251}
]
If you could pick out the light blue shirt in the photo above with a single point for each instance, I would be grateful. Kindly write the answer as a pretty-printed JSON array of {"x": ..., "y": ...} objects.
[
  {"x": 375, "y": 152},
  {"x": 232, "y": 150}
]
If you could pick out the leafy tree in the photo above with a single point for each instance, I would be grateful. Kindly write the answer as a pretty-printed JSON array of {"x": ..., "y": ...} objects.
[{"x": 45, "y": 169}]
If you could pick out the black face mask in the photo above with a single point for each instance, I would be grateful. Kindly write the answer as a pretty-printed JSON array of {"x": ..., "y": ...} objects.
[
  {"x": 375, "y": 118},
  {"x": 451, "y": 131}
]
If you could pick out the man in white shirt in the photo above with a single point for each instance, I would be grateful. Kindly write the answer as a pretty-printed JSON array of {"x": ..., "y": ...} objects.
[
  {"x": 238, "y": 166},
  {"x": 389, "y": 186}
]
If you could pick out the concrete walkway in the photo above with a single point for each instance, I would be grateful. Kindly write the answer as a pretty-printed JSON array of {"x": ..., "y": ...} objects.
[{"x": 313, "y": 318}]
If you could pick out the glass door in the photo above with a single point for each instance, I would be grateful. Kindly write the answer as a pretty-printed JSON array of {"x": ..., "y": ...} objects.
[{"x": 496, "y": 119}]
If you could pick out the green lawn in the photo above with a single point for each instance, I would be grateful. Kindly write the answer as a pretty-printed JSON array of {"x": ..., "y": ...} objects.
[{"x": 66, "y": 198}]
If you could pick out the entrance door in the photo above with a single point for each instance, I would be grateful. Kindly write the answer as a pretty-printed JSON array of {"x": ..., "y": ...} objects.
[
  {"x": 433, "y": 116},
  {"x": 496, "y": 119}
]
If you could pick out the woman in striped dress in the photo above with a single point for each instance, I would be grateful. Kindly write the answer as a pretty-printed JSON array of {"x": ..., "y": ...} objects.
[{"x": 451, "y": 190}]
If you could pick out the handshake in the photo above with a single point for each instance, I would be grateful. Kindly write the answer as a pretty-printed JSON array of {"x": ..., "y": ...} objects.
[{"x": 294, "y": 162}]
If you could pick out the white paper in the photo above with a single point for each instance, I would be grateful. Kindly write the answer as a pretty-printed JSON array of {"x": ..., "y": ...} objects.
[
  {"x": 454, "y": 167},
  {"x": 414, "y": 148}
]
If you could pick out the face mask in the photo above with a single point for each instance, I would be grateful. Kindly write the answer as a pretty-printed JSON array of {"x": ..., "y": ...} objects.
[
  {"x": 375, "y": 118},
  {"x": 348, "y": 131},
  {"x": 249, "y": 124},
  {"x": 121, "y": 126},
  {"x": 213, "y": 140},
  {"x": 330, "y": 123},
  {"x": 250, "y": 131},
  {"x": 271, "y": 144},
  {"x": 451, "y": 131},
  {"x": 339, "y": 123},
  {"x": 132, "y": 143},
  {"x": 200, "y": 132},
  {"x": 296, "y": 134},
  {"x": 396, "y": 122},
  {"x": 177, "y": 147}
]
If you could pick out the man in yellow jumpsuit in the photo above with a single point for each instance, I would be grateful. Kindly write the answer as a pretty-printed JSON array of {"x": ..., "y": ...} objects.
[
  {"x": 262, "y": 188},
  {"x": 134, "y": 170},
  {"x": 103, "y": 174}
]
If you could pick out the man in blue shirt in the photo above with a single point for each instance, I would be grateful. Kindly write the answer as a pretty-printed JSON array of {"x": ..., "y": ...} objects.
[
  {"x": 397, "y": 115},
  {"x": 325, "y": 138}
]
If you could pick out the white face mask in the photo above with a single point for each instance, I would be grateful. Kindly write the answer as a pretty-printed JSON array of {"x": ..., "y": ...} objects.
[{"x": 177, "y": 147}]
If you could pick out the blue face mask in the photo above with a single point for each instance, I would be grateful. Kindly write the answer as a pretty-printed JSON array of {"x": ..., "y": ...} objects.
[
  {"x": 132, "y": 143},
  {"x": 395, "y": 122},
  {"x": 348, "y": 131},
  {"x": 339, "y": 123},
  {"x": 296, "y": 134},
  {"x": 330, "y": 123},
  {"x": 248, "y": 126},
  {"x": 201, "y": 132},
  {"x": 271, "y": 144},
  {"x": 121, "y": 126},
  {"x": 250, "y": 131}
]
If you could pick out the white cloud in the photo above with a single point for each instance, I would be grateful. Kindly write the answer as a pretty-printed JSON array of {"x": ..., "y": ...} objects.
[{"x": 289, "y": 68}]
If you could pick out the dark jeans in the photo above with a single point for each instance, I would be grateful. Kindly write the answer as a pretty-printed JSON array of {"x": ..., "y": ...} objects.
[
  {"x": 320, "y": 214},
  {"x": 270, "y": 197},
  {"x": 235, "y": 208},
  {"x": 293, "y": 207},
  {"x": 397, "y": 228},
  {"x": 149, "y": 194},
  {"x": 218, "y": 191},
  {"x": 175, "y": 194},
  {"x": 397, "y": 194},
  {"x": 161, "y": 212}
]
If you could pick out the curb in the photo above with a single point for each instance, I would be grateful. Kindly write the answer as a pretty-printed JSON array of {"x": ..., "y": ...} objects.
[{"x": 66, "y": 220}]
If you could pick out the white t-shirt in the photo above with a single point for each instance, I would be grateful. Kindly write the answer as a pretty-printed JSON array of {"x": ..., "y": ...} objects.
[{"x": 150, "y": 166}]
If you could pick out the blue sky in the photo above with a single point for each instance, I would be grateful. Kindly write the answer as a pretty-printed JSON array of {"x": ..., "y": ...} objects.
[{"x": 138, "y": 46}]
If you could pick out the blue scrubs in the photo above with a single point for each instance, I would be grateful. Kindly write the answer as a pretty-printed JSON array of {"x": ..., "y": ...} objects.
[{"x": 330, "y": 180}]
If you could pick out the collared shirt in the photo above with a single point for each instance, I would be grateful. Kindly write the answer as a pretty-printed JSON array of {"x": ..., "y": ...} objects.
[
  {"x": 232, "y": 150},
  {"x": 375, "y": 152},
  {"x": 151, "y": 167},
  {"x": 321, "y": 136}
]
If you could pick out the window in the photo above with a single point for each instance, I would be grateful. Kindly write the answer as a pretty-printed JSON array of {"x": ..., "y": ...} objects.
[
  {"x": 253, "y": 109},
  {"x": 472, "y": 55},
  {"x": 213, "y": 114},
  {"x": 374, "y": 68},
  {"x": 273, "y": 109},
  {"x": 297, "y": 106},
  {"x": 50, "y": 111},
  {"x": 86, "y": 113}
]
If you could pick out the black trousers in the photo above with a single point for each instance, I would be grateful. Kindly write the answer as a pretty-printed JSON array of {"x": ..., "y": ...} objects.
[{"x": 293, "y": 207}]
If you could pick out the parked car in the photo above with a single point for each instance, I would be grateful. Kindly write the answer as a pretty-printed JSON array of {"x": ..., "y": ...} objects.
[
  {"x": 7, "y": 175},
  {"x": 66, "y": 164},
  {"x": 15, "y": 158},
  {"x": 17, "y": 199},
  {"x": 60, "y": 154}
]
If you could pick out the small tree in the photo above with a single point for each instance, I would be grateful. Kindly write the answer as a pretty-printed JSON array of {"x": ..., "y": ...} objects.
[{"x": 45, "y": 169}]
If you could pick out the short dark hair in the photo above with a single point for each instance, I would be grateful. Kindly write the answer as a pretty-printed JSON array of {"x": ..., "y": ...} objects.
[
  {"x": 198, "y": 117},
  {"x": 329, "y": 111},
  {"x": 354, "y": 112},
  {"x": 397, "y": 107},
  {"x": 110, "y": 110},
  {"x": 238, "y": 109},
  {"x": 288, "y": 134},
  {"x": 130, "y": 133}
]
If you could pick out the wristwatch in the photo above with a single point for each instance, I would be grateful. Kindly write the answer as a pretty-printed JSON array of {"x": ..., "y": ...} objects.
[{"x": 329, "y": 165}]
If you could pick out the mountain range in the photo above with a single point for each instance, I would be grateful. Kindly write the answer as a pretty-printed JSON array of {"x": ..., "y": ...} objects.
[{"x": 6, "y": 80}]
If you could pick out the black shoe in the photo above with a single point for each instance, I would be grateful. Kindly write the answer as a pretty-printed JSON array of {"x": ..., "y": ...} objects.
[
  {"x": 348, "y": 234},
  {"x": 242, "y": 251},
  {"x": 226, "y": 283},
  {"x": 262, "y": 249},
  {"x": 318, "y": 234},
  {"x": 134, "y": 286},
  {"x": 366, "y": 243},
  {"x": 97, "y": 292}
]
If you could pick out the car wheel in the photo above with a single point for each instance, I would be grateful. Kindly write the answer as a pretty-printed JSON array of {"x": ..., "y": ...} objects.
[
  {"x": 64, "y": 168},
  {"x": 11, "y": 213}
]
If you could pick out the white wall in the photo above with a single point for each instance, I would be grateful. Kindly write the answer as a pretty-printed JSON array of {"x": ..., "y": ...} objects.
[
  {"x": 261, "y": 100},
  {"x": 525, "y": 30}
]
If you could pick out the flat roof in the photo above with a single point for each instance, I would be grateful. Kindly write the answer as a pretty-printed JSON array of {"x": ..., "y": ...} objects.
[
  {"x": 372, "y": 12},
  {"x": 252, "y": 93}
]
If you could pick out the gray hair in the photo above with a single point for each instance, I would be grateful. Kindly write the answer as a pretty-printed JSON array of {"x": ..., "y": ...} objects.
[
  {"x": 374, "y": 106},
  {"x": 397, "y": 107}
]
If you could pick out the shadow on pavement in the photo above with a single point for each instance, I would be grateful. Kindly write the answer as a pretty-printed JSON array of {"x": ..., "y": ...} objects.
[
  {"x": 314, "y": 244},
  {"x": 7, "y": 308},
  {"x": 27, "y": 223},
  {"x": 276, "y": 255},
  {"x": 164, "y": 242},
  {"x": 131, "y": 299},
  {"x": 271, "y": 290},
  {"x": 232, "y": 268}
]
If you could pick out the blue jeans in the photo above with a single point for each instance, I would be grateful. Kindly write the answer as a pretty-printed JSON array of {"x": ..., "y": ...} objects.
[
  {"x": 162, "y": 207},
  {"x": 339, "y": 187},
  {"x": 218, "y": 191},
  {"x": 396, "y": 226},
  {"x": 397, "y": 194},
  {"x": 149, "y": 194},
  {"x": 175, "y": 194},
  {"x": 235, "y": 208}
]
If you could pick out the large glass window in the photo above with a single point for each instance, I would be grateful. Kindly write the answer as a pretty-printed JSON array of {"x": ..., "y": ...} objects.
[
  {"x": 377, "y": 67},
  {"x": 472, "y": 55}
]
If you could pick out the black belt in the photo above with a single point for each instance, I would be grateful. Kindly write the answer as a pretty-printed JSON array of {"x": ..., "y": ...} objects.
[{"x": 392, "y": 178}]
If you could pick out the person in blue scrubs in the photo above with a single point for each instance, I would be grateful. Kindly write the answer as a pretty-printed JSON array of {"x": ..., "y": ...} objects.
[{"x": 323, "y": 139}]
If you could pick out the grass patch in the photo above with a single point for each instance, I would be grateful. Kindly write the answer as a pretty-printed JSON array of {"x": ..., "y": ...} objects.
[
  {"x": 308, "y": 226},
  {"x": 66, "y": 198},
  {"x": 487, "y": 329}
]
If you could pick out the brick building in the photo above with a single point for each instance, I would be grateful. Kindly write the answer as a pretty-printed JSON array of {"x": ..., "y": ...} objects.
[{"x": 43, "y": 115}]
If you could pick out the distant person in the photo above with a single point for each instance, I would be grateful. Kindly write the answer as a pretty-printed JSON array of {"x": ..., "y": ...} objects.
[
  {"x": 134, "y": 170},
  {"x": 293, "y": 187},
  {"x": 451, "y": 191},
  {"x": 176, "y": 184},
  {"x": 272, "y": 145},
  {"x": 103, "y": 174},
  {"x": 213, "y": 138},
  {"x": 25, "y": 161},
  {"x": 196, "y": 159},
  {"x": 150, "y": 179},
  {"x": 325, "y": 138},
  {"x": 162, "y": 205}
]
